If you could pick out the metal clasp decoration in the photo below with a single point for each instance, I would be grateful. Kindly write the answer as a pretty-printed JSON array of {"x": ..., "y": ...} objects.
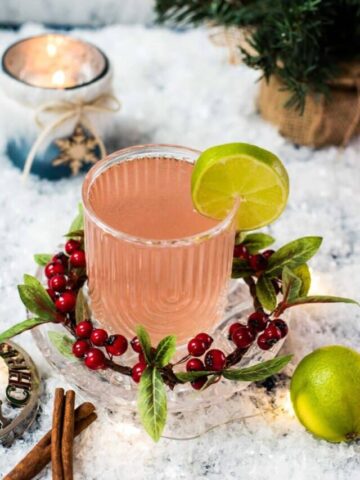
[{"x": 22, "y": 392}]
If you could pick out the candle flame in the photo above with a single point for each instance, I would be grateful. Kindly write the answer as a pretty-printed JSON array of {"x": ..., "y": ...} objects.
[{"x": 58, "y": 78}]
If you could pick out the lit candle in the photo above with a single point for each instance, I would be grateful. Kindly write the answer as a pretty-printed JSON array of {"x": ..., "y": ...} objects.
[{"x": 68, "y": 83}]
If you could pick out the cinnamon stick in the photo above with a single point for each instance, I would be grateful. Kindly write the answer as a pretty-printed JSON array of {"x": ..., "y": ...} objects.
[
  {"x": 67, "y": 439},
  {"x": 40, "y": 455},
  {"x": 56, "y": 433}
]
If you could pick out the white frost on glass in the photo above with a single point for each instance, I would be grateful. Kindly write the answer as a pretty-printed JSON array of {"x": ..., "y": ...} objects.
[{"x": 178, "y": 88}]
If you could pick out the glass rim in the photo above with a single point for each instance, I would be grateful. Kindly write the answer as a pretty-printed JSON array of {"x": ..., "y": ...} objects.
[{"x": 140, "y": 151}]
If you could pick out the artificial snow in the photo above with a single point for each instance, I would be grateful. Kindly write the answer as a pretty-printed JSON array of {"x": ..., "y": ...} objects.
[{"x": 176, "y": 87}]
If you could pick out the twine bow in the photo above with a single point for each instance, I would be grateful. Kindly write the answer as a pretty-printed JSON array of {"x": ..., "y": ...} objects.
[{"x": 65, "y": 111}]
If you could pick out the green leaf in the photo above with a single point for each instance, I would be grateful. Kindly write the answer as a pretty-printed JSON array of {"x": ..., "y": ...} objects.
[
  {"x": 82, "y": 310},
  {"x": 78, "y": 222},
  {"x": 259, "y": 371},
  {"x": 145, "y": 343},
  {"x": 62, "y": 343},
  {"x": 240, "y": 268},
  {"x": 257, "y": 241},
  {"x": 291, "y": 285},
  {"x": 20, "y": 328},
  {"x": 293, "y": 254},
  {"x": 42, "y": 259},
  {"x": 75, "y": 234},
  {"x": 36, "y": 299},
  {"x": 265, "y": 293},
  {"x": 303, "y": 272},
  {"x": 165, "y": 351},
  {"x": 190, "y": 376},
  {"x": 321, "y": 299},
  {"x": 152, "y": 402}
]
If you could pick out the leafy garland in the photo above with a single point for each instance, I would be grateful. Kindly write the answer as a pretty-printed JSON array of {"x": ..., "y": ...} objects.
[
  {"x": 302, "y": 42},
  {"x": 286, "y": 275}
]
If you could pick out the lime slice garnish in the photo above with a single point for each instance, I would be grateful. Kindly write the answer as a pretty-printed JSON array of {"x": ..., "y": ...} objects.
[{"x": 239, "y": 170}]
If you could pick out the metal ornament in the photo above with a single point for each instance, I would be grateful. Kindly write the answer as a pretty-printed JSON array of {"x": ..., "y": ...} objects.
[{"x": 22, "y": 393}]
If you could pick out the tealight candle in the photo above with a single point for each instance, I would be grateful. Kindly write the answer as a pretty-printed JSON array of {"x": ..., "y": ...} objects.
[{"x": 68, "y": 84}]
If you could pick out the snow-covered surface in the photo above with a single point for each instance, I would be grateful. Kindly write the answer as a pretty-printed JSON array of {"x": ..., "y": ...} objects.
[
  {"x": 81, "y": 12},
  {"x": 178, "y": 88}
]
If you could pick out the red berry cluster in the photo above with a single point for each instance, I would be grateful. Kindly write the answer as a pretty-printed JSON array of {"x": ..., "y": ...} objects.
[
  {"x": 65, "y": 274},
  {"x": 271, "y": 331},
  {"x": 258, "y": 262},
  {"x": 89, "y": 338}
]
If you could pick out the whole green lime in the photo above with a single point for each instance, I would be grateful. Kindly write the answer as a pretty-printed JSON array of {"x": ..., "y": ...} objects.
[{"x": 325, "y": 393}]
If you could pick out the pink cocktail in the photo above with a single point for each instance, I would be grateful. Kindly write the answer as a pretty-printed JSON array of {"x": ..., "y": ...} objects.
[{"x": 152, "y": 259}]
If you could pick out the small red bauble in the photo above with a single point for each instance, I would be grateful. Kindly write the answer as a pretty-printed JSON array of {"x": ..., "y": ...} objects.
[
  {"x": 215, "y": 360},
  {"x": 196, "y": 347},
  {"x": 62, "y": 258},
  {"x": 272, "y": 333},
  {"x": 65, "y": 303},
  {"x": 137, "y": 371},
  {"x": 263, "y": 342},
  {"x": 243, "y": 337},
  {"x": 98, "y": 337},
  {"x": 240, "y": 251},
  {"x": 80, "y": 347},
  {"x": 71, "y": 246},
  {"x": 78, "y": 259},
  {"x": 233, "y": 328},
  {"x": 84, "y": 329},
  {"x": 205, "y": 338},
  {"x": 268, "y": 253},
  {"x": 257, "y": 262},
  {"x": 257, "y": 321},
  {"x": 54, "y": 268},
  {"x": 116, "y": 345},
  {"x": 282, "y": 326},
  {"x": 198, "y": 383},
  {"x": 194, "y": 365},
  {"x": 95, "y": 359},
  {"x": 135, "y": 345},
  {"x": 58, "y": 283}
]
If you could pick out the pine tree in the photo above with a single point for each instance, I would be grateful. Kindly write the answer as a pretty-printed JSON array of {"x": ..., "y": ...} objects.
[{"x": 303, "y": 42}]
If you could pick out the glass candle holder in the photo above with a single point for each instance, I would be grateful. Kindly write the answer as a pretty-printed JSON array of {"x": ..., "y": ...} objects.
[
  {"x": 58, "y": 89},
  {"x": 151, "y": 258}
]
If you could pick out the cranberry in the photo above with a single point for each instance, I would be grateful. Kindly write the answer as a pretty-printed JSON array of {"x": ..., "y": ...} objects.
[
  {"x": 205, "y": 338},
  {"x": 243, "y": 337},
  {"x": 84, "y": 329},
  {"x": 257, "y": 321},
  {"x": 263, "y": 342},
  {"x": 268, "y": 253},
  {"x": 137, "y": 371},
  {"x": 54, "y": 268},
  {"x": 240, "y": 251},
  {"x": 257, "y": 262},
  {"x": 78, "y": 259},
  {"x": 196, "y": 347},
  {"x": 142, "y": 357},
  {"x": 57, "y": 283},
  {"x": 80, "y": 347},
  {"x": 194, "y": 365},
  {"x": 98, "y": 337},
  {"x": 95, "y": 359},
  {"x": 233, "y": 329},
  {"x": 215, "y": 360},
  {"x": 62, "y": 258},
  {"x": 51, "y": 294},
  {"x": 135, "y": 345},
  {"x": 71, "y": 246},
  {"x": 282, "y": 326},
  {"x": 272, "y": 333},
  {"x": 116, "y": 345},
  {"x": 199, "y": 383},
  {"x": 65, "y": 303}
]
